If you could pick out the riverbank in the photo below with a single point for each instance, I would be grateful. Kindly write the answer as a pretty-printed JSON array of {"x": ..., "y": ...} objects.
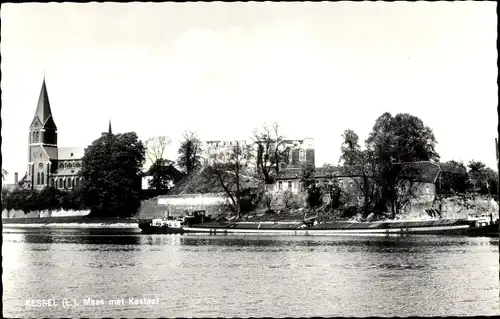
[{"x": 69, "y": 222}]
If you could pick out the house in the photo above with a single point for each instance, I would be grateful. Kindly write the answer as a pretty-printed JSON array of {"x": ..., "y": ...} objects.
[
  {"x": 421, "y": 176},
  {"x": 297, "y": 152}
]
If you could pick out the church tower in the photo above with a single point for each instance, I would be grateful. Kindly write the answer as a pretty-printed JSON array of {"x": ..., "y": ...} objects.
[{"x": 42, "y": 156}]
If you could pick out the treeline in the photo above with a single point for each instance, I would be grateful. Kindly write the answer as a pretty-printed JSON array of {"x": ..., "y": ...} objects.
[
  {"x": 456, "y": 178},
  {"x": 48, "y": 199}
]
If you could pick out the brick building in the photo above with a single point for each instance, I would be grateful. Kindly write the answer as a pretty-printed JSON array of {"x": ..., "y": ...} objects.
[{"x": 48, "y": 163}]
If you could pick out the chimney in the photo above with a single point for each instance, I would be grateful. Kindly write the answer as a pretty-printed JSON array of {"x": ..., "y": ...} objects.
[{"x": 15, "y": 178}]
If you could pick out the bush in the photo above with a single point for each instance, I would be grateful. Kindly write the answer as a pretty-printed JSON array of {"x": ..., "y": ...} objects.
[
  {"x": 314, "y": 196},
  {"x": 290, "y": 200}
]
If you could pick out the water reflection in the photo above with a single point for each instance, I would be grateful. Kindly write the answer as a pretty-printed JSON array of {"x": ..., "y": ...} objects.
[{"x": 252, "y": 276}]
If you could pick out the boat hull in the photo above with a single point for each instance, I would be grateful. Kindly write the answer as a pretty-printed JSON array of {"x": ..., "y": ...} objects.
[
  {"x": 484, "y": 231},
  {"x": 148, "y": 229},
  {"x": 436, "y": 230}
]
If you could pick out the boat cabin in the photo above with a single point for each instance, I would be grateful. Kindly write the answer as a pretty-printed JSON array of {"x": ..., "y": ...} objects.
[{"x": 196, "y": 217}]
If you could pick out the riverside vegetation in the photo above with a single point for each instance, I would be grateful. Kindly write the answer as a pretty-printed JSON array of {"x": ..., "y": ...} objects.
[{"x": 112, "y": 170}]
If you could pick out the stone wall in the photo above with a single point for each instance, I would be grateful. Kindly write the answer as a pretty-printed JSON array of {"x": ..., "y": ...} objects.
[
  {"x": 177, "y": 203},
  {"x": 57, "y": 213},
  {"x": 456, "y": 207}
]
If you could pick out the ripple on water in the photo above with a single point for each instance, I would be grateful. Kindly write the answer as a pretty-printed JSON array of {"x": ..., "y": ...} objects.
[{"x": 240, "y": 276}]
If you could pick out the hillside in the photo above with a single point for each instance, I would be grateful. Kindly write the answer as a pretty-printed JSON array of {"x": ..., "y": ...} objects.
[
  {"x": 201, "y": 181},
  {"x": 204, "y": 181}
]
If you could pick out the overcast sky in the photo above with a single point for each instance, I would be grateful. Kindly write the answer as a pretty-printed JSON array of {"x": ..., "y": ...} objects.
[{"x": 222, "y": 69}]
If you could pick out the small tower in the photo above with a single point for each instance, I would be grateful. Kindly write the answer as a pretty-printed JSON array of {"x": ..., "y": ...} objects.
[{"x": 109, "y": 132}]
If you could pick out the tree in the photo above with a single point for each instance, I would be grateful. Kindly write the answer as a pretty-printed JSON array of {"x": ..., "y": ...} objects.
[
  {"x": 161, "y": 175},
  {"x": 351, "y": 152},
  {"x": 454, "y": 178},
  {"x": 189, "y": 153},
  {"x": 360, "y": 164},
  {"x": 314, "y": 197},
  {"x": 4, "y": 174},
  {"x": 111, "y": 168},
  {"x": 50, "y": 198},
  {"x": 270, "y": 151},
  {"x": 403, "y": 138},
  {"x": 231, "y": 170},
  {"x": 485, "y": 179},
  {"x": 155, "y": 147}
]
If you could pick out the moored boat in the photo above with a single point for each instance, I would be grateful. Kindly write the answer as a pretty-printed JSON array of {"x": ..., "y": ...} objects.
[
  {"x": 484, "y": 227},
  {"x": 169, "y": 225},
  {"x": 437, "y": 227}
]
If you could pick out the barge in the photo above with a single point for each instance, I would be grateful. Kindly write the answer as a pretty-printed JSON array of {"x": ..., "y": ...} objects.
[{"x": 198, "y": 222}]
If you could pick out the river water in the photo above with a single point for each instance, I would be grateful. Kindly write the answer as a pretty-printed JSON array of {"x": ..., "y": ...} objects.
[{"x": 237, "y": 276}]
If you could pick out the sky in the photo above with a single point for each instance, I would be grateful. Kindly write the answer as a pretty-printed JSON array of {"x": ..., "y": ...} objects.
[{"x": 224, "y": 69}]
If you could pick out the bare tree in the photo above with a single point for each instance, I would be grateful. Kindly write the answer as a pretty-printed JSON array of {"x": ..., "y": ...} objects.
[
  {"x": 189, "y": 153},
  {"x": 270, "y": 151},
  {"x": 230, "y": 168},
  {"x": 155, "y": 147}
]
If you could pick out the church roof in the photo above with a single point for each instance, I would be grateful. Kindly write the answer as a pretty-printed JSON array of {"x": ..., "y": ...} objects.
[
  {"x": 66, "y": 172},
  {"x": 51, "y": 152},
  {"x": 70, "y": 153},
  {"x": 43, "y": 111}
]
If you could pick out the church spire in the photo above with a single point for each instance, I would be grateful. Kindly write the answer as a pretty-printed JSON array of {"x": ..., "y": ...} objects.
[
  {"x": 109, "y": 129},
  {"x": 43, "y": 111}
]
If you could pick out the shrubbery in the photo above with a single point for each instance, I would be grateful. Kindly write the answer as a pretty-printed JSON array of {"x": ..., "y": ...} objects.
[{"x": 48, "y": 198}]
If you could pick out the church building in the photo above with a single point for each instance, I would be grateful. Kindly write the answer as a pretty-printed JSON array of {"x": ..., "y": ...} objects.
[{"x": 48, "y": 164}]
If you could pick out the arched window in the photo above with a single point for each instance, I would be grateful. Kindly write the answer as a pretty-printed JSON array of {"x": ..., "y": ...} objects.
[
  {"x": 61, "y": 165},
  {"x": 61, "y": 183},
  {"x": 77, "y": 182},
  {"x": 78, "y": 165},
  {"x": 64, "y": 183},
  {"x": 38, "y": 178},
  {"x": 69, "y": 182},
  {"x": 42, "y": 178},
  {"x": 37, "y": 137},
  {"x": 33, "y": 138}
]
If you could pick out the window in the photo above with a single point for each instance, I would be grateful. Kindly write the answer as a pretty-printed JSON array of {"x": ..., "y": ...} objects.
[
  {"x": 33, "y": 138},
  {"x": 64, "y": 183},
  {"x": 78, "y": 165},
  {"x": 61, "y": 165},
  {"x": 52, "y": 182},
  {"x": 73, "y": 183},
  {"x": 38, "y": 178},
  {"x": 427, "y": 189},
  {"x": 61, "y": 183},
  {"x": 280, "y": 185},
  {"x": 37, "y": 137},
  {"x": 42, "y": 178},
  {"x": 77, "y": 182},
  {"x": 290, "y": 185},
  {"x": 68, "y": 182}
]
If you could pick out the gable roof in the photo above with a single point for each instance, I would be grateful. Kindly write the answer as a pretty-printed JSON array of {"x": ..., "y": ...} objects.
[
  {"x": 425, "y": 172},
  {"x": 70, "y": 153},
  {"x": 319, "y": 172}
]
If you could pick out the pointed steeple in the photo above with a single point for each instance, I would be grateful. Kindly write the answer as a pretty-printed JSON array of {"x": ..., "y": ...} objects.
[
  {"x": 43, "y": 111},
  {"x": 109, "y": 129}
]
